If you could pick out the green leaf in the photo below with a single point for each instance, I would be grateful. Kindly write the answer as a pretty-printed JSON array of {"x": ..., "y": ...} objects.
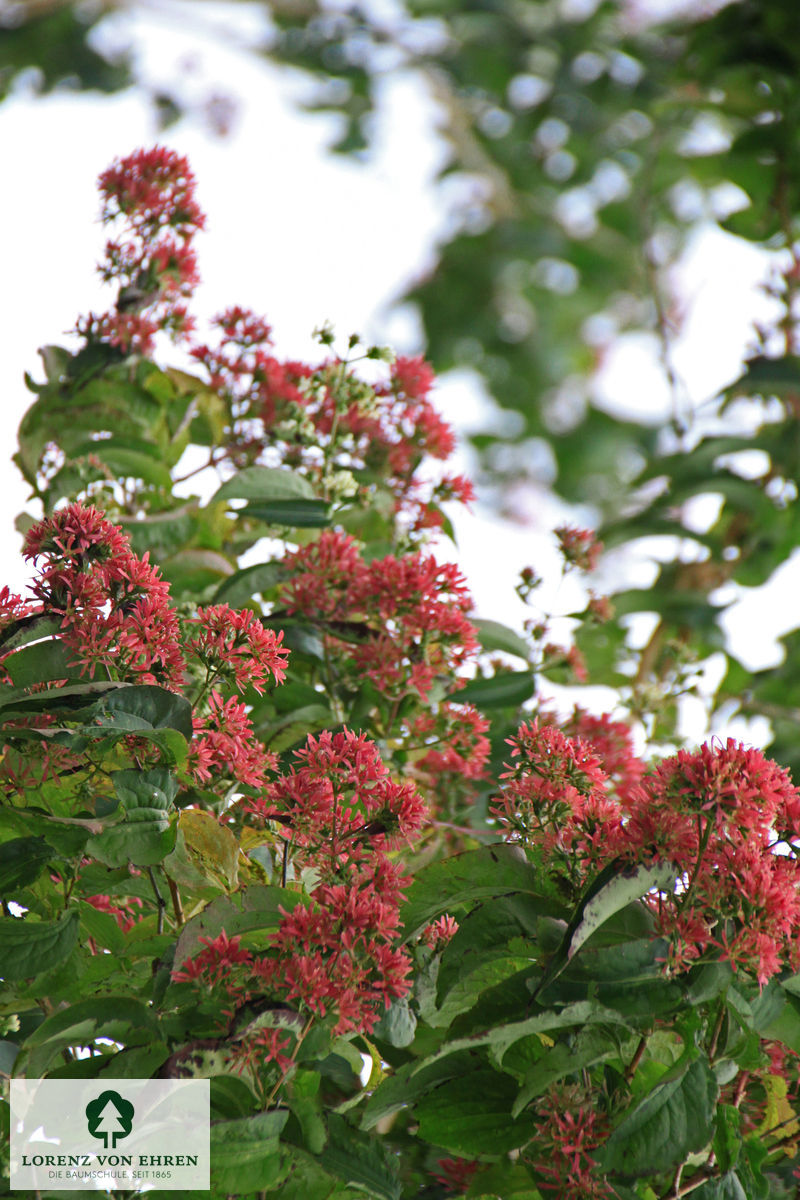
[
  {"x": 767, "y": 377},
  {"x": 398, "y": 1024},
  {"x": 465, "y": 878},
  {"x": 729, "y": 1187},
  {"x": 591, "y": 1045},
  {"x": 194, "y": 570},
  {"x": 240, "y": 587},
  {"x": 39, "y": 663},
  {"x": 507, "y": 690},
  {"x": 487, "y": 933},
  {"x": 145, "y": 837},
  {"x": 300, "y": 514},
  {"x": 616, "y": 886},
  {"x": 501, "y": 1037},
  {"x": 8, "y": 1056},
  {"x": 29, "y": 947},
  {"x": 160, "y": 708},
  {"x": 245, "y": 1154},
  {"x": 22, "y": 861},
  {"x": 494, "y": 636},
  {"x": 784, "y": 1026},
  {"x": 120, "y": 1018},
  {"x": 126, "y": 462},
  {"x": 360, "y": 1162},
  {"x": 471, "y": 1115},
  {"x": 305, "y": 1104},
  {"x": 674, "y": 1120},
  {"x": 28, "y": 629},
  {"x": 264, "y": 483},
  {"x": 727, "y": 1136},
  {"x": 255, "y": 907},
  {"x": 74, "y": 698},
  {"x": 293, "y": 728}
]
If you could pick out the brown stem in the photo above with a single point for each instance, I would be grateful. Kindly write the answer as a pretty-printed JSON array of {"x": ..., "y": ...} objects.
[
  {"x": 674, "y": 1188},
  {"x": 177, "y": 907},
  {"x": 160, "y": 901},
  {"x": 712, "y": 1049},
  {"x": 741, "y": 1084},
  {"x": 637, "y": 1058}
]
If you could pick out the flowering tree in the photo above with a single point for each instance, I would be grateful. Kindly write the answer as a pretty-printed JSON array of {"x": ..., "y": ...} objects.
[{"x": 299, "y": 826}]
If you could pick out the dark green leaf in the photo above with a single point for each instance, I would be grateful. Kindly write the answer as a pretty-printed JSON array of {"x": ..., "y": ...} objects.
[
  {"x": 398, "y": 1024},
  {"x": 465, "y": 878},
  {"x": 240, "y": 587},
  {"x": 264, "y": 483},
  {"x": 615, "y": 888},
  {"x": 727, "y": 1136},
  {"x": 22, "y": 860},
  {"x": 40, "y": 662},
  {"x": 29, "y": 947},
  {"x": 729, "y": 1187},
  {"x": 359, "y": 1161},
  {"x": 472, "y": 1115},
  {"x": 245, "y": 1154},
  {"x": 670, "y": 1123},
  {"x": 494, "y": 636},
  {"x": 145, "y": 837},
  {"x": 591, "y": 1045},
  {"x": 157, "y": 706},
  {"x": 300, "y": 514},
  {"x": 508, "y": 690}
]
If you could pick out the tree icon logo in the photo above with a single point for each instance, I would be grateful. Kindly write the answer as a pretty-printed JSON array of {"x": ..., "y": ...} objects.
[{"x": 109, "y": 1116}]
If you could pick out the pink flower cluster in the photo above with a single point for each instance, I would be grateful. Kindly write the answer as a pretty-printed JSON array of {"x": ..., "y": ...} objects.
[
  {"x": 235, "y": 648},
  {"x": 335, "y": 952},
  {"x": 561, "y": 1153},
  {"x": 388, "y": 436},
  {"x": 115, "y": 617},
  {"x": 151, "y": 193},
  {"x": 579, "y": 547},
  {"x": 121, "y": 908},
  {"x": 556, "y": 799},
  {"x": 458, "y": 746},
  {"x": 114, "y": 607},
  {"x": 726, "y": 817},
  {"x": 407, "y": 615},
  {"x": 224, "y": 745}
]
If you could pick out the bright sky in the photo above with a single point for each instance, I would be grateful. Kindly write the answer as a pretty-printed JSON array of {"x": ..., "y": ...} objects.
[{"x": 304, "y": 237}]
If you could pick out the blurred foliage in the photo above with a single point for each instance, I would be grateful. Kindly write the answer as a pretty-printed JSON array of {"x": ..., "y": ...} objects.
[{"x": 586, "y": 144}]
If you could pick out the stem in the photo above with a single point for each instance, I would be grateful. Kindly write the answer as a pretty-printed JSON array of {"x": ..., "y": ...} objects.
[
  {"x": 212, "y": 462},
  {"x": 177, "y": 907},
  {"x": 637, "y": 1058},
  {"x": 160, "y": 901},
  {"x": 700, "y": 852},
  {"x": 712, "y": 1049},
  {"x": 473, "y": 833},
  {"x": 674, "y": 1189},
  {"x": 740, "y": 1089},
  {"x": 293, "y": 1056}
]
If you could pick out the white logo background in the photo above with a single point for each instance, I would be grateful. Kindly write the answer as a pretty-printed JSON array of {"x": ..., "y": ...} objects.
[{"x": 167, "y": 1148}]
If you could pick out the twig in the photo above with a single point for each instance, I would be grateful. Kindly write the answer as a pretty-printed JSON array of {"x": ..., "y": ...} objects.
[
  {"x": 177, "y": 907},
  {"x": 712, "y": 1049},
  {"x": 637, "y": 1058},
  {"x": 160, "y": 901}
]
